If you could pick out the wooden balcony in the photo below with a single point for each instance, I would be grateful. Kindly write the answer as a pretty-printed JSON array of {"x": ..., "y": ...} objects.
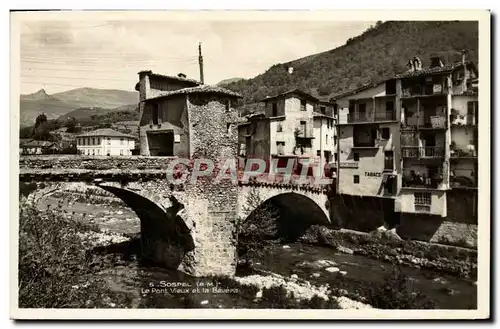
[
  {"x": 371, "y": 117},
  {"x": 417, "y": 152}
]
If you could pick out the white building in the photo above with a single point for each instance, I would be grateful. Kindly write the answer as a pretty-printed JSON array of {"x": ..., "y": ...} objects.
[{"x": 105, "y": 142}]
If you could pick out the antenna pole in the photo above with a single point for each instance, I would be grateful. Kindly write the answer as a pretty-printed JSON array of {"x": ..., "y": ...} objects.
[{"x": 200, "y": 61}]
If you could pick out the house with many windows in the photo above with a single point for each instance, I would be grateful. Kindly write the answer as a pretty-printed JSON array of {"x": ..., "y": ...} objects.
[
  {"x": 412, "y": 138},
  {"x": 295, "y": 125},
  {"x": 107, "y": 142}
]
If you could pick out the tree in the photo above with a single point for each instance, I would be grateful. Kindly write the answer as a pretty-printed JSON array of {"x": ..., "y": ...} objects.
[
  {"x": 72, "y": 126},
  {"x": 40, "y": 119}
]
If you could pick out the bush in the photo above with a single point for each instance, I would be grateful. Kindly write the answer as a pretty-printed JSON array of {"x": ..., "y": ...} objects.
[
  {"x": 397, "y": 293},
  {"x": 54, "y": 267}
]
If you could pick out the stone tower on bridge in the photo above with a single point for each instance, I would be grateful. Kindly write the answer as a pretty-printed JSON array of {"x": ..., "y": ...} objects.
[{"x": 180, "y": 117}]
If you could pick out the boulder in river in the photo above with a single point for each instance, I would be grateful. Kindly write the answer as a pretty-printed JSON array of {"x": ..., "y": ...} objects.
[
  {"x": 294, "y": 276},
  {"x": 315, "y": 275},
  {"x": 318, "y": 264},
  {"x": 345, "y": 250},
  {"x": 343, "y": 272},
  {"x": 204, "y": 302},
  {"x": 286, "y": 247},
  {"x": 440, "y": 280},
  {"x": 332, "y": 269}
]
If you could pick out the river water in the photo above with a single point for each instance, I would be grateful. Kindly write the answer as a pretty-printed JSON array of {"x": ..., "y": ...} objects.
[{"x": 148, "y": 287}]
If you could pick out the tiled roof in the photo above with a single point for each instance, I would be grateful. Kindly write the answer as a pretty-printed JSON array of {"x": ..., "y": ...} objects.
[
  {"x": 430, "y": 70},
  {"x": 199, "y": 89},
  {"x": 35, "y": 143},
  {"x": 357, "y": 90},
  {"x": 193, "y": 82},
  {"x": 293, "y": 91},
  {"x": 106, "y": 132}
]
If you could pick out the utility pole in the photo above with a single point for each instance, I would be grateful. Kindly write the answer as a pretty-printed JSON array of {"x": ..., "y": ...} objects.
[{"x": 200, "y": 61}]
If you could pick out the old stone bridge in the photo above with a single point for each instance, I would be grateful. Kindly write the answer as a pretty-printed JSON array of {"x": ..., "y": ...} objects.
[{"x": 189, "y": 227}]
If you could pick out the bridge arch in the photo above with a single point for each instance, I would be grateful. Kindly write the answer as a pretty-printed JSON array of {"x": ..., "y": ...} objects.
[
  {"x": 293, "y": 210},
  {"x": 165, "y": 237}
]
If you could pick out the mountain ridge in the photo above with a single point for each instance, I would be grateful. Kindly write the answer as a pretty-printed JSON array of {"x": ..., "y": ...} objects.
[
  {"x": 59, "y": 104},
  {"x": 378, "y": 53}
]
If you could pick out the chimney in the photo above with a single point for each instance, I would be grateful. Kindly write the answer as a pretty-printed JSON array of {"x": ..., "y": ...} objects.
[
  {"x": 181, "y": 75},
  {"x": 417, "y": 63},
  {"x": 411, "y": 65},
  {"x": 200, "y": 61},
  {"x": 436, "y": 62}
]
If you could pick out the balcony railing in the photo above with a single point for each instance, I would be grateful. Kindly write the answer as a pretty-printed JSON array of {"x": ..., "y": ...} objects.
[
  {"x": 421, "y": 182},
  {"x": 422, "y": 152},
  {"x": 463, "y": 120},
  {"x": 463, "y": 151},
  {"x": 462, "y": 182},
  {"x": 371, "y": 117},
  {"x": 433, "y": 122},
  {"x": 424, "y": 90}
]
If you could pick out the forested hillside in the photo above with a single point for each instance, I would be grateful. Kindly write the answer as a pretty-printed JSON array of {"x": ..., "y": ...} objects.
[{"x": 378, "y": 53}]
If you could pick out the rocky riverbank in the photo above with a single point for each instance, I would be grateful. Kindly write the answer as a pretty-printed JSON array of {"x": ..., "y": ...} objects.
[{"x": 388, "y": 247}]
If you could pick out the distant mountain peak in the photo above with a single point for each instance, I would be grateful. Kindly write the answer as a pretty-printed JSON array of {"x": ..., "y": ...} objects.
[{"x": 38, "y": 96}]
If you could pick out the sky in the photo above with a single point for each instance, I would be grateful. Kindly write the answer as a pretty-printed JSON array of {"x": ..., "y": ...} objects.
[{"x": 59, "y": 55}]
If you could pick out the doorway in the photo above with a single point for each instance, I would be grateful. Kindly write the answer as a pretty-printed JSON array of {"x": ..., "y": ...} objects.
[{"x": 161, "y": 143}]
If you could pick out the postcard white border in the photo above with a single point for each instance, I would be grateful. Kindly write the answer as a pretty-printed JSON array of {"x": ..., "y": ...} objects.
[{"x": 483, "y": 284}]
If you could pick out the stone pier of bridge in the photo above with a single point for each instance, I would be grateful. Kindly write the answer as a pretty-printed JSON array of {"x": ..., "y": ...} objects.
[{"x": 189, "y": 227}]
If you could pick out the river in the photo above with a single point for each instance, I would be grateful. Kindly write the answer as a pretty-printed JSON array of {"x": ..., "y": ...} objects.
[{"x": 149, "y": 287}]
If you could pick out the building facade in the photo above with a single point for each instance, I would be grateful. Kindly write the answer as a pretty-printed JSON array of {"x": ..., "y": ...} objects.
[
  {"x": 105, "y": 142},
  {"x": 412, "y": 138},
  {"x": 295, "y": 125}
]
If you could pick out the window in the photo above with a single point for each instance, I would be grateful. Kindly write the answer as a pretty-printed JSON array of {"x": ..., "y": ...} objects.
[
  {"x": 279, "y": 127},
  {"x": 472, "y": 107},
  {"x": 318, "y": 153},
  {"x": 156, "y": 111},
  {"x": 303, "y": 105},
  {"x": 385, "y": 133},
  {"x": 121, "y": 152},
  {"x": 334, "y": 139},
  {"x": 356, "y": 179},
  {"x": 82, "y": 141},
  {"x": 281, "y": 147},
  {"x": 93, "y": 150},
  {"x": 121, "y": 141},
  {"x": 109, "y": 141},
  {"x": 98, "y": 141},
  {"x": 228, "y": 105},
  {"x": 423, "y": 198},
  {"x": 275, "y": 109},
  {"x": 356, "y": 156},
  {"x": 303, "y": 127},
  {"x": 108, "y": 154},
  {"x": 98, "y": 151},
  {"x": 390, "y": 87},
  {"x": 335, "y": 109},
  {"x": 335, "y": 156},
  {"x": 389, "y": 160},
  {"x": 322, "y": 109}
]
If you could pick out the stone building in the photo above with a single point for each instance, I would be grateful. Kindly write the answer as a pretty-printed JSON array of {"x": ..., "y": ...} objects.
[
  {"x": 168, "y": 106},
  {"x": 412, "y": 139},
  {"x": 294, "y": 125}
]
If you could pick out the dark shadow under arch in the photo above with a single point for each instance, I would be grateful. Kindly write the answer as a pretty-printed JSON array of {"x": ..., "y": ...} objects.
[
  {"x": 295, "y": 213},
  {"x": 165, "y": 238}
]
